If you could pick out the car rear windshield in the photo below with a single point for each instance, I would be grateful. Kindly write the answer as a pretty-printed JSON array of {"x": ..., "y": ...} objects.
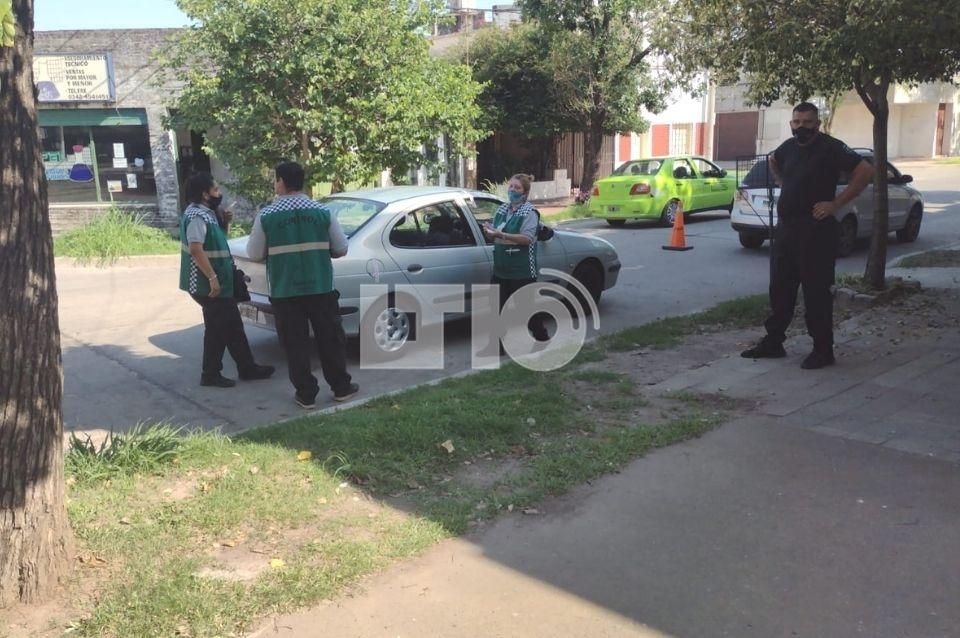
[
  {"x": 352, "y": 213},
  {"x": 758, "y": 176},
  {"x": 642, "y": 167}
]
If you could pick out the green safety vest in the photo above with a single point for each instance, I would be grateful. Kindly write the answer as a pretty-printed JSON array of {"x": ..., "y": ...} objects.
[
  {"x": 511, "y": 261},
  {"x": 298, "y": 247},
  {"x": 217, "y": 250}
]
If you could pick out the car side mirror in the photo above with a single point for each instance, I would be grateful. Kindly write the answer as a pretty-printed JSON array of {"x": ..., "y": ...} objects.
[
  {"x": 906, "y": 179},
  {"x": 723, "y": 172}
]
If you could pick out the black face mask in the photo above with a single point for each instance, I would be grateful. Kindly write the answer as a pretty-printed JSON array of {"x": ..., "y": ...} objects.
[
  {"x": 804, "y": 134},
  {"x": 214, "y": 202}
]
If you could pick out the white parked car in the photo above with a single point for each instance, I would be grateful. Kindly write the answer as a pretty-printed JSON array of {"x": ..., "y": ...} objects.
[
  {"x": 420, "y": 236},
  {"x": 750, "y": 215}
]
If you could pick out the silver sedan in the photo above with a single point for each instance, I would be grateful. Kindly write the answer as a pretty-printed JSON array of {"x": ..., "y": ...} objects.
[{"x": 418, "y": 236}]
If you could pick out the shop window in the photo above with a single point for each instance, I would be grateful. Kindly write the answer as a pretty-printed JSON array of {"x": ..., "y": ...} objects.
[
  {"x": 86, "y": 164},
  {"x": 68, "y": 163},
  {"x": 124, "y": 164}
]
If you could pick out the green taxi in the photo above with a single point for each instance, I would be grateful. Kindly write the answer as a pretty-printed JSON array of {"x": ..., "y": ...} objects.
[{"x": 658, "y": 187}]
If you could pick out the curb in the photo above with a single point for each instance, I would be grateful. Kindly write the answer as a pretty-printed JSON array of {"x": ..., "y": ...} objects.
[{"x": 895, "y": 263}]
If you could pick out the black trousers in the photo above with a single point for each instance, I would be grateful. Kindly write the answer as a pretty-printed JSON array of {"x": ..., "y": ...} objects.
[
  {"x": 804, "y": 255},
  {"x": 536, "y": 323},
  {"x": 223, "y": 330},
  {"x": 295, "y": 316}
]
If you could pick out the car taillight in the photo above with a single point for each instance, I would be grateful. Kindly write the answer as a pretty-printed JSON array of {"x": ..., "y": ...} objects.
[
  {"x": 640, "y": 189},
  {"x": 595, "y": 192}
]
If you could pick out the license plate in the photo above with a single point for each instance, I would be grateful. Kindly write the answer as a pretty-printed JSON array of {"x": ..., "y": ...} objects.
[{"x": 613, "y": 209}]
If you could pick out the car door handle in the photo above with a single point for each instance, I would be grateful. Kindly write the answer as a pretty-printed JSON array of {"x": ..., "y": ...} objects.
[{"x": 414, "y": 268}]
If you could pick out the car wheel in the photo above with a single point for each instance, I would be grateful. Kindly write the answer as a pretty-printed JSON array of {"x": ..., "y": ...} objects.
[
  {"x": 616, "y": 223},
  {"x": 669, "y": 214},
  {"x": 848, "y": 236},
  {"x": 590, "y": 275},
  {"x": 391, "y": 328},
  {"x": 751, "y": 239},
  {"x": 911, "y": 230}
]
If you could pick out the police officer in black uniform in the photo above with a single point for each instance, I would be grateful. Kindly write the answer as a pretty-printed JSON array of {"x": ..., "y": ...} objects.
[{"x": 807, "y": 167}]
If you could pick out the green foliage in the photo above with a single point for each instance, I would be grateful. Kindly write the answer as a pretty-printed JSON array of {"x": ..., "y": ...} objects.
[
  {"x": 8, "y": 24},
  {"x": 142, "y": 449},
  {"x": 345, "y": 87},
  {"x": 599, "y": 55},
  {"x": 239, "y": 229},
  {"x": 801, "y": 49},
  {"x": 114, "y": 234},
  {"x": 576, "y": 65},
  {"x": 522, "y": 93},
  {"x": 501, "y": 190}
]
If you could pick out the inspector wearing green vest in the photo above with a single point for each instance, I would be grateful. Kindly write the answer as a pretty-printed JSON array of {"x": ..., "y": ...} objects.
[
  {"x": 206, "y": 272},
  {"x": 298, "y": 238},
  {"x": 514, "y": 233}
]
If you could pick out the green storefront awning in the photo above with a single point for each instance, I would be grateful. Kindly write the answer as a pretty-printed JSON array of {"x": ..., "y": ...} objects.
[{"x": 92, "y": 117}]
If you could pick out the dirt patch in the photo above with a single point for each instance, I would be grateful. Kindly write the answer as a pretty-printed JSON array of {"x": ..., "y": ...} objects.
[
  {"x": 243, "y": 557},
  {"x": 924, "y": 315},
  {"x": 489, "y": 471}
]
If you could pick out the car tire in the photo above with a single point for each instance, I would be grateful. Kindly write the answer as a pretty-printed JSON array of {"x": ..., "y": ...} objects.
[
  {"x": 616, "y": 223},
  {"x": 751, "y": 239},
  {"x": 669, "y": 213},
  {"x": 590, "y": 274},
  {"x": 911, "y": 230},
  {"x": 391, "y": 328},
  {"x": 848, "y": 236}
]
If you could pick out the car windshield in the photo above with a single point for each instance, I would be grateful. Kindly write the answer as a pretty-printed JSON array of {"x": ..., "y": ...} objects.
[
  {"x": 352, "y": 213},
  {"x": 642, "y": 167}
]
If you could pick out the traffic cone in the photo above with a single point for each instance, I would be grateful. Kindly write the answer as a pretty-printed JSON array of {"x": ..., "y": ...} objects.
[{"x": 677, "y": 241}]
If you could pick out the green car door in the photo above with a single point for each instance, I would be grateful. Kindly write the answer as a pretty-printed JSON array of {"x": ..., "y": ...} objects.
[
  {"x": 686, "y": 186},
  {"x": 715, "y": 187}
]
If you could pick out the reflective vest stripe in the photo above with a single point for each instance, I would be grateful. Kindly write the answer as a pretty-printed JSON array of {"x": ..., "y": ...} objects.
[
  {"x": 298, "y": 248},
  {"x": 211, "y": 254}
]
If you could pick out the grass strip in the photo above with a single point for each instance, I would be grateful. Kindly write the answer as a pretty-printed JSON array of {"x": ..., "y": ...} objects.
[
  {"x": 664, "y": 333},
  {"x": 111, "y": 235},
  {"x": 206, "y": 534},
  {"x": 932, "y": 259}
]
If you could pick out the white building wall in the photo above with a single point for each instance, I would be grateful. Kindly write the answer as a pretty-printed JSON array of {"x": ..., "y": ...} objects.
[{"x": 919, "y": 123}]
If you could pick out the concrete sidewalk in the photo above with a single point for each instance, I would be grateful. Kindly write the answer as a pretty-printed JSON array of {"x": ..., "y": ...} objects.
[{"x": 832, "y": 510}]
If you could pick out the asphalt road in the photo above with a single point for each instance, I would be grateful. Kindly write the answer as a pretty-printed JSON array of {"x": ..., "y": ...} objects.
[{"x": 132, "y": 341}]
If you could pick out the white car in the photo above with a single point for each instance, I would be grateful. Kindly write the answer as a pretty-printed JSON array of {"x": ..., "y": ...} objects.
[
  {"x": 419, "y": 236},
  {"x": 750, "y": 215}
]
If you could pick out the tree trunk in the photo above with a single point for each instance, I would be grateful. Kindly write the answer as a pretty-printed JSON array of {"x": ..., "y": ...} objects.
[
  {"x": 875, "y": 272},
  {"x": 34, "y": 532},
  {"x": 592, "y": 153}
]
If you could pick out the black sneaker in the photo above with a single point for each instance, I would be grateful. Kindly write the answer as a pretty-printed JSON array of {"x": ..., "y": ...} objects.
[
  {"x": 257, "y": 372},
  {"x": 818, "y": 359},
  {"x": 306, "y": 404},
  {"x": 347, "y": 392},
  {"x": 765, "y": 350},
  {"x": 216, "y": 381}
]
